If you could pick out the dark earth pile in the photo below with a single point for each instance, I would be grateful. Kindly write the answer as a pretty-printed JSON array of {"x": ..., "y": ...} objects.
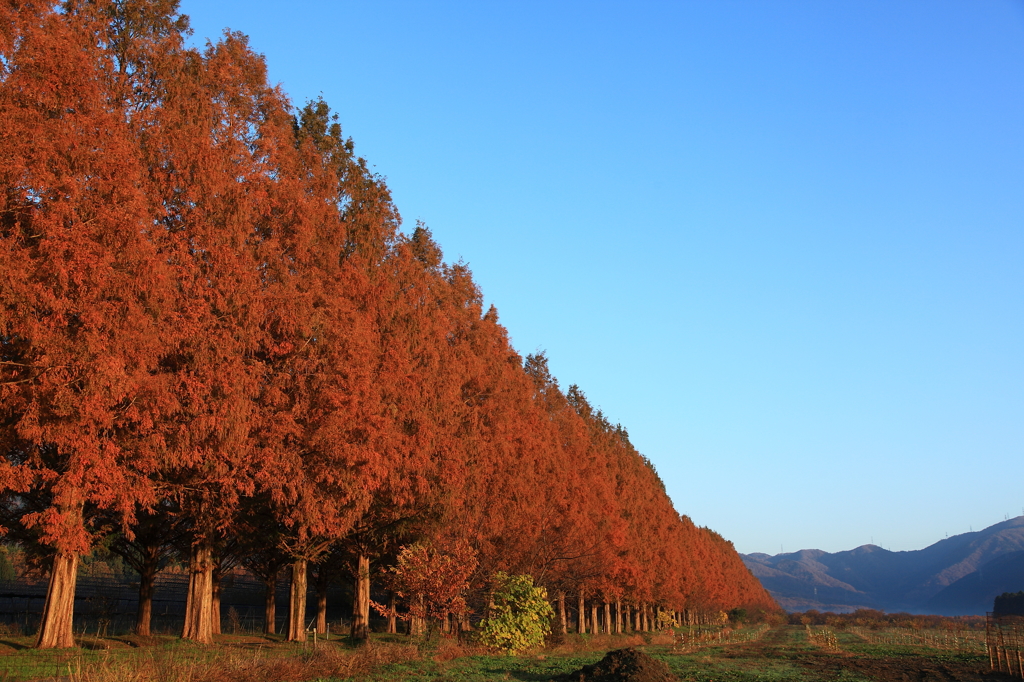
[{"x": 622, "y": 665}]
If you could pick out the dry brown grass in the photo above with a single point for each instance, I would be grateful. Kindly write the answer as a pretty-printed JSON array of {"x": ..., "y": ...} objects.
[
  {"x": 661, "y": 639},
  {"x": 450, "y": 649},
  {"x": 10, "y": 630},
  {"x": 256, "y": 665},
  {"x": 578, "y": 645}
]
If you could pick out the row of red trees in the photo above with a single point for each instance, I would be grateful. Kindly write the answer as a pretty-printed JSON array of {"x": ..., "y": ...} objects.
[{"x": 214, "y": 336}]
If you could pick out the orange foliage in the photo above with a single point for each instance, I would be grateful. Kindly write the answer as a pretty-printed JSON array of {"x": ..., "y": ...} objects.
[{"x": 207, "y": 310}]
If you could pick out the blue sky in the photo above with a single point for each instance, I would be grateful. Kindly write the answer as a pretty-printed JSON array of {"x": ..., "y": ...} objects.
[{"x": 782, "y": 243}]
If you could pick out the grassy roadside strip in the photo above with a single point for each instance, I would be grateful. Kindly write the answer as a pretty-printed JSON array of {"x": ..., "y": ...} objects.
[{"x": 780, "y": 654}]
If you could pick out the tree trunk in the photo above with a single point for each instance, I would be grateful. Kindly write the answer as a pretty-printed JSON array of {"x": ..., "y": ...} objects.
[
  {"x": 459, "y": 624},
  {"x": 561, "y": 613},
  {"x": 217, "y": 576},
  {"x": 199, "y": 604},
  {"x": 607, "y": 618},
  {"x": 297, "y": 603},
  {"x": 581, "y": 620},
  {"x": 618, "y": 616},
  {"x": 322, "y": 583},
  {"x": 321, "y": 611},
  {"x": 416, "y": 624},
  {"x": 361, "y": 607},
  {"x": 147, "y": 588},
  {"x": 594, "y": 627},
  {"x": 392, "y": 619},
  {"x": 58, "y": 610},
  {"x": 270, "y": 604}
]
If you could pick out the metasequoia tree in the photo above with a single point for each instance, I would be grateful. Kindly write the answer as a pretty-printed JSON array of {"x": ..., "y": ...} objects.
[
  {"x": 512, "y": 508},
  {"x": 147, "y": 549},
  {"x": 566, "y": 547},
  {"x": 417, "y": 381},
  {"x": 420, "y": 320},
  {"x": 323, "y": 446},
  {"x": 262, "y": 554},
  {"x": 82, "y": 293},
  {"x": 220, "y": 143}
]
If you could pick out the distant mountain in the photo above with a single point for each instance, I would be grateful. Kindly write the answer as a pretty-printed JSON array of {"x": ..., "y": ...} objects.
[
  {"x": 960, "y": 575},
  {"x": 1002, "y": 574}
]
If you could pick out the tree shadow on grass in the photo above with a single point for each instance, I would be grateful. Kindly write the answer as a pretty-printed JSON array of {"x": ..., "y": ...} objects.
[{"x": 14, "y": 645}]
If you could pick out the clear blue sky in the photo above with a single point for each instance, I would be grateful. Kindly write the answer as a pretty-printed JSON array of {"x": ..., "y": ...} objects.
[{"x": 781, "y": 242}]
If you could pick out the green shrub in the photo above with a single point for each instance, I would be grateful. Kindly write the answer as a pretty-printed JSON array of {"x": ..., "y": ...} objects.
[
  {"x": 665, "y": 621},
  {"x": 520, "y": 616}
]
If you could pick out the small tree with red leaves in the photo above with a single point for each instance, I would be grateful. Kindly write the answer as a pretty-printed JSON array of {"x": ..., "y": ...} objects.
[{"x": 432, "y": 580}]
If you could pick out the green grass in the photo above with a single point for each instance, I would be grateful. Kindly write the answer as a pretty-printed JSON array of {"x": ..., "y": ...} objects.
[
  {"x": 479, "y": 669},
  {"x": 711, "y": 669},
  {"x": 855, "y": 645},
  {"x": 708, "y": 664}
]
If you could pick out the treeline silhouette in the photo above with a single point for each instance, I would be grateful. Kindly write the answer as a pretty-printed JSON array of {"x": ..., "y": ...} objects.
[
  {"x": 877, "y": 620},
  {"x": 216, "y": 341}
]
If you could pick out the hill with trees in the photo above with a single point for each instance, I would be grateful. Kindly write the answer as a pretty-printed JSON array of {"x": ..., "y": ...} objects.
[{"x": 217, "y": 344}]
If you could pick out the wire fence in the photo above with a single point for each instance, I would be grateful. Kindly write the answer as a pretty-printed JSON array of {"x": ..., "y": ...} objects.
[
  {"x": 1004, "y": 637},
  {"x": 964, "y": 641},
  {"x": 693, "y": 638},
  {"x": 108, "y": 605}
]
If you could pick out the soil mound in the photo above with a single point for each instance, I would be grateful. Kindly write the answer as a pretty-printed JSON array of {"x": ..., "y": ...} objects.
[{"x": 622, "y": 665}]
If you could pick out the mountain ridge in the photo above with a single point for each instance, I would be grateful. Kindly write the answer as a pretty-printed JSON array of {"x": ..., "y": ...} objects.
[{"x": 959, "y": 575}]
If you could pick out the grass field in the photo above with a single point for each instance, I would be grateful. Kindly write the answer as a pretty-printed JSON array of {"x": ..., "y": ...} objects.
[{"x": 779, "y": 654}]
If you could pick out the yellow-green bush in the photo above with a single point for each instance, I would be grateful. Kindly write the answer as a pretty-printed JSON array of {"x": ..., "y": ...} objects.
[{"x": 520, "y": 616}]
